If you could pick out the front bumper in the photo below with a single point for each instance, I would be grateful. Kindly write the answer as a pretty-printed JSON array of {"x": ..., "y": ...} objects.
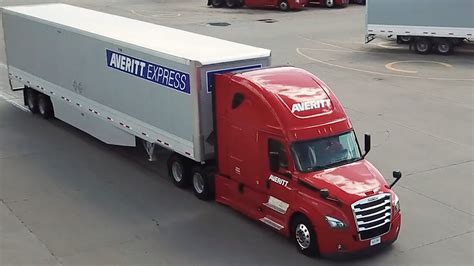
[{"x": 339, "y": 242}]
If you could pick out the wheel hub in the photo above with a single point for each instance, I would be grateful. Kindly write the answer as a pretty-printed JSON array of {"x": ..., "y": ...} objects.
[
  {"x": 443, "y": 48},
  {"x": 198, "y": 182},
  {"x": 422, "y": 46},
  {"x": 302, "y": 236},
  {"x": 177, "y": 171},
  {"x": 41, "y": 106}
]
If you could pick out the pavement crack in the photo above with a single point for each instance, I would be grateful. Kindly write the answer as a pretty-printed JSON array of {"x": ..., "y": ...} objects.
[
  {"x": 31, "y": 232},
  {"x": 438, "y": 241}
]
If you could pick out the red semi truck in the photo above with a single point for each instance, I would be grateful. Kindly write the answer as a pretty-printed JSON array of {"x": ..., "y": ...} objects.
[
  {"x": 283, "y": 5},
  {"x": 287, "y": 155},
  {"x": 272, "y": 143}
]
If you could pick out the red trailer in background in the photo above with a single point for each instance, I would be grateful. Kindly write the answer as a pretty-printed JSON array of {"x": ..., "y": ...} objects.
[{"x": 283, "y": 5}]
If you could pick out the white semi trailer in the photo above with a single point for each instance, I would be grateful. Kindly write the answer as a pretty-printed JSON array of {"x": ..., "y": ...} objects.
[
  {"x": 118, "y": 78},
  {"x": 429, "y": 25}
]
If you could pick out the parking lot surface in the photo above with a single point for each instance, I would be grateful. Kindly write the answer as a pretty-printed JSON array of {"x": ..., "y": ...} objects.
[{"x": 69, "y": 199}]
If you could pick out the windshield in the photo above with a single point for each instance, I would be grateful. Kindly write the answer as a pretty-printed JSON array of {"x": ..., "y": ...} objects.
[{"x": 325, "y": 153}]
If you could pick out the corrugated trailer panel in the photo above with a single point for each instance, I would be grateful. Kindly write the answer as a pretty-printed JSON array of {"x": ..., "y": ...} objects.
[
  {"x": 164, "y": 98},
  {"x": 79, "y": 63},
  {"x": 423, "y": 13}
]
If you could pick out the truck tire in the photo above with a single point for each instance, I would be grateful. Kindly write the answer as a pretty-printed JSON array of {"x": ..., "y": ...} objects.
[
  {"x": 45, "y": 106},
  {"x": 31, "y": 99},
  {"x": 283, "y": 5},
  {"x": 329, "y": 3},
  {"x": 444, "y": 46},
  {"x": 178, "y": 170},
  {"x": 203, "y": 182},
  {"x": 404, "y": 39},
  {"x": 304, "y": 236},
  {"x": 231, "y": 3},
  {"x": 423, "y": 45},
  {"x": 217, "y": 3}
]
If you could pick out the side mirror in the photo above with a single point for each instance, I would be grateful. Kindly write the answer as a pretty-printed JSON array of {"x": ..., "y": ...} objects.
[
  {"x": 367, "y": 144},
  {"x": 324, "y": 192},
  {"x": 274, "y": 161},
  {"x": 397, "y": 175}
]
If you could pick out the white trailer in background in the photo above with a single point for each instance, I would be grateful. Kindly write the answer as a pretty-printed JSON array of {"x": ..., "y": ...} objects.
[{"x": 429, "y": 24}]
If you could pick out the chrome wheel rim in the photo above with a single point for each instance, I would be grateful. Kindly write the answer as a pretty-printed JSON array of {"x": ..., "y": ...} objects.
[
  {"x": 443, "y": 48},
  {"x": 329, "y": 3},
  {"x": 177, "y": 171},
  {"x": 302, "y": 236},
  {"x": 283, "y": 6},
  {"x": 422, "y": 47},
  {"x": 41, "y": 106},
  {"x": 405, "y": 38},
  {"x": 31, "y": 102},
  {"x": 198, "y": 182}
]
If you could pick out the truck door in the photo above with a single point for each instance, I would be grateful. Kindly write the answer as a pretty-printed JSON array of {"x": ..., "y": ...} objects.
[{"x": 277, "y": 183}]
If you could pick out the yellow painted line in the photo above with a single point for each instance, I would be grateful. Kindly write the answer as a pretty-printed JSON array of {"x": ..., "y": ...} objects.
[
  {"x": 389, "y": 66},
  {"x": 298, "y": 51}
]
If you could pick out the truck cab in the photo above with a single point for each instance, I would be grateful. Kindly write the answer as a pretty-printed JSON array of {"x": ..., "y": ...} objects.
[{"x": 287, "y": 155}]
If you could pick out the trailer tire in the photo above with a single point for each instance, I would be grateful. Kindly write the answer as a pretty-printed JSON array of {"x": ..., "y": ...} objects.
[
  {"x": 203, "y": 182},
  {"x": 231, "y": 3},
  {"x": 304, "y": 236},
  {"x": 329, "y": 3},
  {"x": 217, "y": 3},
  {"x": 423, "y": 45},
  {"x": 178, "y": 170},
  {"x": 283, "y": 5},
  {"x": 31, "y": 99},
  {"x": 45, "y": 106},
  {"x": 404, "y": 39},
  {"x": 444, "y": 46}
]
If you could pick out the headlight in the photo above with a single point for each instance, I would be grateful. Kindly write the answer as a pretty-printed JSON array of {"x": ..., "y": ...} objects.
[
  {"x": 396, "y": 204},
  {"x": 335, "y": 223}
]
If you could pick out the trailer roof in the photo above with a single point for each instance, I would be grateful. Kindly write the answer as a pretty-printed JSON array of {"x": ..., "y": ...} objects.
[{"x": 177, "y": 44}]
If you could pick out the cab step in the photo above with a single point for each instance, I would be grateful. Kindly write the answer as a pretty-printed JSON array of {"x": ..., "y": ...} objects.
[{"x": 271, "y": 223}]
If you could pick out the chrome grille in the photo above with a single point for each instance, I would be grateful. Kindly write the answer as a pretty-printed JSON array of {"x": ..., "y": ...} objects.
[{"x": 372, "y": 215}]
